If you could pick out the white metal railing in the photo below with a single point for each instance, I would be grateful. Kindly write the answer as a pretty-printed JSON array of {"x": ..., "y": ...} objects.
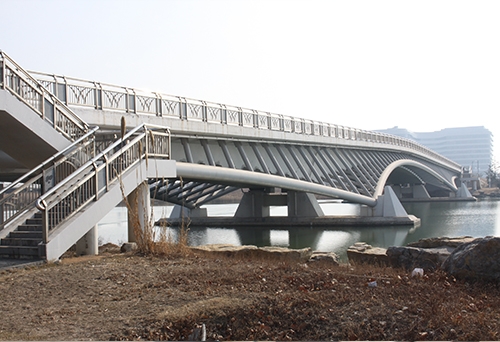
[
  {"x": 51, "y": 109},
  {"x": 22, "y": 194},
  {"x": 96, "y": 176},
  {"x": 77, "y": 92}
]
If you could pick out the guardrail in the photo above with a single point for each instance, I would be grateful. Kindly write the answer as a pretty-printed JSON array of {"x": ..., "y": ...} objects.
[
  {"x": 21, "y": 194},
  {"x": 101, "y": 96},
  {"x": 22, "y": 85},
  {"x": 95, "y": 177}
]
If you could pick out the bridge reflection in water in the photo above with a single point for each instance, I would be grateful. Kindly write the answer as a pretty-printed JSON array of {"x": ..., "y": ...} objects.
[{"x": 113, "y": 228}]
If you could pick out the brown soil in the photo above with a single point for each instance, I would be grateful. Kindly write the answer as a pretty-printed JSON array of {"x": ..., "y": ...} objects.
[{"x": 126, "y": 297}]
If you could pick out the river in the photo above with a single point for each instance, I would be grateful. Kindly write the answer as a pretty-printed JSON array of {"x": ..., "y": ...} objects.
[{"x": 477, "y": 219}]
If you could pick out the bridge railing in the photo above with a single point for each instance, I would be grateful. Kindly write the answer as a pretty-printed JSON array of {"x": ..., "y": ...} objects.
[
  {"x": 21, "y": 194},
  {"x": 51, "y": 109},
  {"x": 95, "y": 177},
  {"x": 77, "y": 92}
]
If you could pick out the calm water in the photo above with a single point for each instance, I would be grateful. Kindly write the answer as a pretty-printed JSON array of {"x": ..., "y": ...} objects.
[{"x": 476, "y": 219}]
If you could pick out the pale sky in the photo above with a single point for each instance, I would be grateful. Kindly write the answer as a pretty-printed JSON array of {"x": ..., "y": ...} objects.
[{"x": 420, "y": 65}]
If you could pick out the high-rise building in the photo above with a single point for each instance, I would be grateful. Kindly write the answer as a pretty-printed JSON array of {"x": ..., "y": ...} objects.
[{"x": 471, "y": 147}]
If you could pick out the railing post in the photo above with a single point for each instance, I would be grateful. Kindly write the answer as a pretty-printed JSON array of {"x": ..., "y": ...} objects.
[
  {"x": 45, "y": 224},
  {"x": 97, "y": 96},
  {"x": 158, "y": 105},
  {"x": 96, "y": 182},
  {"x": 1, "y": 207},
  {"x": 2, "y": 71}
]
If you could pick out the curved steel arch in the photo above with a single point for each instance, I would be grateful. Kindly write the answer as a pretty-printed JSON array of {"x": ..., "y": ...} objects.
[
  {"x": 418, "y": 168},
  {"x": 206, "y": 174},
  {"x": 246, "y": 178}
]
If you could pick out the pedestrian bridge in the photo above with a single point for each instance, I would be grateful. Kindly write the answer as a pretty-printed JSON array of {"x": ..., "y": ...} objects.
[
  {"x": 220, "y": 148},
  {"x": 188, "y": 152}
]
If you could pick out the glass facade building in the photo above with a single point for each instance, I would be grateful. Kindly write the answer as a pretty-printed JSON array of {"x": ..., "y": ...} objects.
[{"x": 471, "y": 147}]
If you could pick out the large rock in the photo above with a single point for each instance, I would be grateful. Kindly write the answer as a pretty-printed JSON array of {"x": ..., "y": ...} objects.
[
  {"x": 325, "y": 258},
  {"x": 274, "y": 253},
  {"x": 439, "y": 242},
  {"x": 478, "y": 259},
  {"x": 411, "y": 257},
  {"x": 363, "y": 253}
]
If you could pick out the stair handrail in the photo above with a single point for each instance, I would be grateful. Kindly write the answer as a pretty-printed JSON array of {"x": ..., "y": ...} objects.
[
  {"x": 29, "y": 90},
  {"x": 96, "y": 176},
  {"x": 25, "y": 190}
]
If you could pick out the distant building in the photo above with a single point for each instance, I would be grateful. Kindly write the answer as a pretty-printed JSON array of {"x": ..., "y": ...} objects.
[{"x": 471, "y": 147}]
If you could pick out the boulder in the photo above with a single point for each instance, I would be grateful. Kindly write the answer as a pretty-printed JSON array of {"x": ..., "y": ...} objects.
[
  {"x": 438, "y": 242},
  {"x": 325, "y": 257},
  {"x": 411, "y": 257},
  {"x": 128, "y": 247},
  {"x": 476, "y": 260},
  {"x": 275, "y": 253},
  {"x": 282, "y": 253},
  {"x": 363, "y": 253},
  {"x": 226, "y": 250}
]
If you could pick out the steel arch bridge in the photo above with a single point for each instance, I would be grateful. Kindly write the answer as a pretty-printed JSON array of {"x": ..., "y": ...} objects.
[{"x": 220, "y": 148}]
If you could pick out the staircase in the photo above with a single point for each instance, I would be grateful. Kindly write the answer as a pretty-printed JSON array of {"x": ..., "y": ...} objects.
[
  {"x": 50, "y": 208},
  {"x": 25, "y": 241}
]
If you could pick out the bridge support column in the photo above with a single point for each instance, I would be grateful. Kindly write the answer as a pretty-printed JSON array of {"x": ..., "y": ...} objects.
[
  {"x": 139, "y": 210},
  {"x": 463, "y": 192},
  {"x": 88, "y": 244},
  {"x": 419, "y": 191},
  {"x": 252, "y": 204},
  {"x": 179, "y": 212},
  {"x": 303, "y": 204},
  {"x": 397, "y": 190},
  {"x": 388, "y": 205}
]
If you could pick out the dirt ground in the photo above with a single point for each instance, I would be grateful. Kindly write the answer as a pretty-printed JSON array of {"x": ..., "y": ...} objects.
[{"x": 130, "y": 297}]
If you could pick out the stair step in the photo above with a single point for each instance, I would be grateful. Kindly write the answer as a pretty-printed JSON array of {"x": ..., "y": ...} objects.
[
  {"x": 37, "y": 221},
  {"x": 26, "y": 234},
  {"x": 9, "y": 241},
  {"x": 30, "y": 228},
  {"x": 27, "y": 252}
]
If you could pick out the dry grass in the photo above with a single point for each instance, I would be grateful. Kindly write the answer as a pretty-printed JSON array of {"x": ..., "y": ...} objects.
[
  {"x": 155, "y": 240},
  {"x": 131, "y": 297}
]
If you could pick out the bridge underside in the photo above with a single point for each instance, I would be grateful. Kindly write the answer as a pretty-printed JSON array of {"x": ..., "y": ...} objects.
[{"x": 209, "y": 168}]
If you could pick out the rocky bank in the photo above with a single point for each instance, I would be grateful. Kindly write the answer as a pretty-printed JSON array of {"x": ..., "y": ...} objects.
[{"x": 462, "y": 257}]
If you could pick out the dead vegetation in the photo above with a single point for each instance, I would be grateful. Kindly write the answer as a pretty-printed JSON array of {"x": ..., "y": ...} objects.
[{"x": 132, "y": 297}]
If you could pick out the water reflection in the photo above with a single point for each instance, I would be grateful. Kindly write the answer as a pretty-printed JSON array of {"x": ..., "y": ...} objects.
[{"x": 480, "y": 218}]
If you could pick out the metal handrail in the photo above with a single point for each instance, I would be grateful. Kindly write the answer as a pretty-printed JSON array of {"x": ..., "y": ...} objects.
[
  {"x": 42, "y": 165},
  {"x": 103, "y": 96},
  {"x": 21, "y": 194},
  {"x": 96, "y": 176},
  {"x": 29, "y": 90}
]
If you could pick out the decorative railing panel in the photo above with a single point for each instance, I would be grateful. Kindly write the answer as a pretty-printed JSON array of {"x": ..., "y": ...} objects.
[
  {"x": 214, "y": 113},
  {"x": 247, "y": 118},
  {"x": 233, "y": 116},
  {"x": 171, "y": 107},
  {"x": 195, "y": 110},
  {"x": 146, "y": 104},
  {"x": 114, "y": 100},
  {"x": 82, "y": 96}
]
